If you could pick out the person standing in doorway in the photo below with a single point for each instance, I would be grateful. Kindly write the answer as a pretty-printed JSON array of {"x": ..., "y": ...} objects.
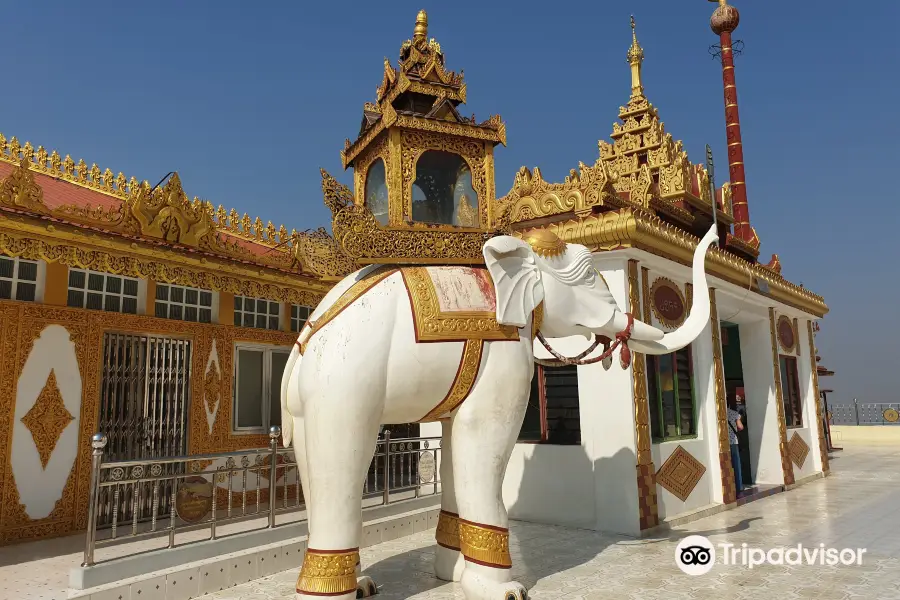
[{"x": 734, "y": 425}]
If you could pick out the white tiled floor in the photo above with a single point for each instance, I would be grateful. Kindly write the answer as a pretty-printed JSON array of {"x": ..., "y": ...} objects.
[{"x": 855, "y": 507}]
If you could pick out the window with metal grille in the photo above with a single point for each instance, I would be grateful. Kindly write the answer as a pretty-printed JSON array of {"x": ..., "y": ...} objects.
[
  {"x": 102, "y": 291},
  {"x": 299, "y": 316},
  {"x": 670, "y": 391},
  {"x": 184, "y": 303},
  {"x": 257, "y": 312},
  {"x": 790, "y": 390},
  {"x": 257, "y": 386},
  {"x": 553, "y": 415},
  {"x": 20, "y": 279}
]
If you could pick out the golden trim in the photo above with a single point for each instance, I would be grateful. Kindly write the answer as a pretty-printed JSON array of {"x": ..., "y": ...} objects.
[
  {"x": 798, "y": 449},
  {"x": 47, "y": 419},
  {"x": 545, "y": 243},
  {"x": 537, "y": 318},
  {"x": 635, "y": 228},
  {"x": 659, "y": 283},
  {"x": 787, "y": 469},
  {"x": 469, "y": 364},
  {"x": 351, "y": 295},
  {"x": 639, "y": 374},
  {"x": 485, "y": 544},
  {"x": 823, "y": 446},
  {"x": 447, "y": 532},
  {"x": 75, "y": 248},
  {"x": 432, "y": 325},
  {"x": 719, "y": 373},
  {"x": 327, "y": 572},
  {"x": 645, "y": 299}
]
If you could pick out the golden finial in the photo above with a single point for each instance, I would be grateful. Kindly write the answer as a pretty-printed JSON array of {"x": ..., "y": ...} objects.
[
  {"x": 635, "y": 59},
  {"x": 421, "y": 30}
]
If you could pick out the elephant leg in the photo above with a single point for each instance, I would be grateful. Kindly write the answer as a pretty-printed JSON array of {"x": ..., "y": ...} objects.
[
  {"x": 448, "y": 561},
  {"x": 339, "y": 451},
  {"x": 484, "y": 433}
]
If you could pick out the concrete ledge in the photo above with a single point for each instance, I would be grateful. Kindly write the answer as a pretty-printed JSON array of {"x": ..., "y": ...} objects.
[
  {"x": 875, "y": 435},
  {"x": 806, "y": 479},
  {"x": 381, "y": 523}
]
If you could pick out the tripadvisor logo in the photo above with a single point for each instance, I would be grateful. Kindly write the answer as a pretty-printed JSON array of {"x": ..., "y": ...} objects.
[{"x": 696, "y": 555}]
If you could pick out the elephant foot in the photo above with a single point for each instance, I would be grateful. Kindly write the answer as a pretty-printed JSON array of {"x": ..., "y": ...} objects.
[
  {"x": 365, "y": 587},
  {"x": 448, "y": 564},
  {"x": 480, "y": 585}
]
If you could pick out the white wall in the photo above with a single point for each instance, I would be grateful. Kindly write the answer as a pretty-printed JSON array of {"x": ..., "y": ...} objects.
[
  {"x": 762, "y": 406},
  {"x": 40, "y": 488},
  {"x": 810, "y": 430}
]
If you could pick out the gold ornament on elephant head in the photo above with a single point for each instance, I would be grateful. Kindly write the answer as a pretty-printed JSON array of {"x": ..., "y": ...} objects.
[{"x": 545, "y": 243}]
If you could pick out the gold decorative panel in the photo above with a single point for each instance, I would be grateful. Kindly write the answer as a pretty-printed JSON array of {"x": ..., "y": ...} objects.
[
  {"x": 798, "y": 450},
  {"x": 47, "y": 419},
  {"x": 680, "y": 474}
]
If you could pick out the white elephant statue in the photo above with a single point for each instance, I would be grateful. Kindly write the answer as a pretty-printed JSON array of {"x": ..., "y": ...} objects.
[{"x": 391, "y": 344}]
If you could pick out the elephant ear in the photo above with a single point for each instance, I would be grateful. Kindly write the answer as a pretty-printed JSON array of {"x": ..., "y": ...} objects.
[{"x": 517, "y": 279}]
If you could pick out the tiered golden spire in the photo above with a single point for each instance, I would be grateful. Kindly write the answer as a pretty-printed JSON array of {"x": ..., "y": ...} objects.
[
  {"x": 421, "y": 30},
  {"x": 635, "y": 59}
]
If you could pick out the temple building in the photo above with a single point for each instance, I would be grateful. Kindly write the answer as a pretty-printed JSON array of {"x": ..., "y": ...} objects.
[
  {"x": 130, "y": 310},
  {"x": 165, "y": 323},
  {"x": 586, "y": 458}
]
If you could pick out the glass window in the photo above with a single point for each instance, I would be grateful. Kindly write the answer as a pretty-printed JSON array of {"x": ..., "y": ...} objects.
[
  {"x": 553, "y": 414},
  {"x": 257, "y": 387},
  {"x": 790, "y": 391},
  {"x": 18, "y": 279},
  {"x": 102, "y": 291},
  {"x": 443, "y": 192},
  {"x": 670, "y": 391},
  {"x": 184, "y": 303},
  {"x": 257, "y": 312},
  {"x": 377, "y": 192},
  {"x": 299, "y": 316}
]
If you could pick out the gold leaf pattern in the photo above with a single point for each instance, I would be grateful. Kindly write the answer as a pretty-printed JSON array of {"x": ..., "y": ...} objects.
[{"x": 47, "y": 419}]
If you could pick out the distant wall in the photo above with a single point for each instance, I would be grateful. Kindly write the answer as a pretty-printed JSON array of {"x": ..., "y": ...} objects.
[{"x": 865, "y": 434}]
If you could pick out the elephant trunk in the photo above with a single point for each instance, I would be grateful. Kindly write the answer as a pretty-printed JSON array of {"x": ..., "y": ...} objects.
[{"x": 650, "y": 340}]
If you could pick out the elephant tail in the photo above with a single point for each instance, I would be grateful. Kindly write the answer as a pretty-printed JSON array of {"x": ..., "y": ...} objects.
[{"x": 287, "y": 420}]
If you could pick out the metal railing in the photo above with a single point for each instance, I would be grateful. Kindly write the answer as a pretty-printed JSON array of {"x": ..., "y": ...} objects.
[
  {"x": 865, "y": 413},
  {"x": 154, "y": 498}
]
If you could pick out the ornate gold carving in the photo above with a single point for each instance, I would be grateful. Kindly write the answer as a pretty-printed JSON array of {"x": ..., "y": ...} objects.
[
  {"x": 469, "y": 364},
  {"x": 353, "y": 293},
  {"x": 786, "y": 467},
  {"x": 531, "y": 197},
  {"x": 891, "y": 415},
  {"x": 112, "y": 256},
  {"x": 645, "y": 298},
  {"x": 680, "y": 474},
  {"x": 47, "y": 419},
  {"x": 636, "y": 228},
  {"x": 664, "y": 308},
  {"x": 318, "y": 252},
  {"x": 798, "y": 450},
  {"x": 447, "y": 532},
  {"x": 545, "y": 243},
  {"x": 823, "y": 446},
  {"x": 327, "y": 572},
  {"x": 639, "y": 374},
  {"x": 19, "y": 190},
  {"x": 485, "y": 544},
  {"x": 170, "y": 216},
  {"x": 537, "y": 319},
  {"x": 432, "y": 325},
  {"x": 719, "y": 374},
  {"x": 122, "y": 218}
]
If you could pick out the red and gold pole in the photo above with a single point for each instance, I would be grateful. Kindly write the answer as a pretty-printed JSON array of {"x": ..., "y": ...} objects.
[{"x": 724, "y": 20}]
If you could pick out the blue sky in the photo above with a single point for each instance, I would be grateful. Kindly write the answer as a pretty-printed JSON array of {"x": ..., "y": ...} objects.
[{"x": 248, "y": 101}]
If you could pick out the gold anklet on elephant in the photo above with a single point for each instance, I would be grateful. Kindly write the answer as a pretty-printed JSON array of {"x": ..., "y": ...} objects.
[
  {"x": 447, "y": 532},
  {"x": 486, "y": 545},
  {"x": 328, "y": 572}
]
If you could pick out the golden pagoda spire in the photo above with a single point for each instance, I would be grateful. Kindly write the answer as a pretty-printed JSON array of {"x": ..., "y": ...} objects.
[
  {"x": 635, "y": 59},
  {"x": 421, "y": 30}
]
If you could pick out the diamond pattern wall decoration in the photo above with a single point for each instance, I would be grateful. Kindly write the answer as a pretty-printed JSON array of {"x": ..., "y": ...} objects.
[
  {"x": 798, "y": 450},
  {"x": 680, "y": 473},
  {"x": 47, "y": 419}
]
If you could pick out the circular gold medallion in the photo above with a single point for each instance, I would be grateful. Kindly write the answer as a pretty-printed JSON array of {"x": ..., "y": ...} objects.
[{"x": 890, "y": 415}]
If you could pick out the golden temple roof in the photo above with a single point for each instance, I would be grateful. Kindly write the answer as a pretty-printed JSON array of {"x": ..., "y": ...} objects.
[{"x": 420, "y": 93}]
